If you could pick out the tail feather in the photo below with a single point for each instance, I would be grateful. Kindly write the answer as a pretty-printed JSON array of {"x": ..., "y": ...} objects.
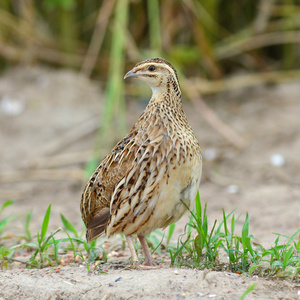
[
  {"x": 91, "y": 234},
  {"x": 97, "y": 224}
]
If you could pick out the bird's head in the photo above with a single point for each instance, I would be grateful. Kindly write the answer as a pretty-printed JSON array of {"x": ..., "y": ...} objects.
[{"x": 158, "y": 73}]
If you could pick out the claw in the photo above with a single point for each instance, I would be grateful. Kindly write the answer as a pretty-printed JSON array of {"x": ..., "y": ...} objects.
[{"x": 137, "y": 266}]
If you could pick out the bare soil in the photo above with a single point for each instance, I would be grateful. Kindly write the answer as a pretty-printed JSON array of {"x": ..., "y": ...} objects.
[{"x": 44, "y": 149}]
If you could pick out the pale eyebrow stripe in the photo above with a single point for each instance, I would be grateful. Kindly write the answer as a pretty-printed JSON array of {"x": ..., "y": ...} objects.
[{"x": 165, "y": 66}]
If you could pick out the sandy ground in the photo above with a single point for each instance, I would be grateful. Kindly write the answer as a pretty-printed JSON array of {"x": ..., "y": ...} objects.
[
  {"x": 46, "y": 145},
  {"x": 76, "y": 283}
]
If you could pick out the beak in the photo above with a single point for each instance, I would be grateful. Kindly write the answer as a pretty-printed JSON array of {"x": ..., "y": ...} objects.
[{"x": 131, "y": 73}]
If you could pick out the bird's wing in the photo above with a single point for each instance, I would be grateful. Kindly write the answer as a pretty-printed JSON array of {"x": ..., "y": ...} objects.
[
  {"x": 134, "y": 197},
  {"x": 126, "y": 178},
  {"x": 96, "y": 197}
]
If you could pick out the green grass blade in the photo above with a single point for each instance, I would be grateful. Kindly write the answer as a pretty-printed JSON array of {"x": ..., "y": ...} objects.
[
  {"x": 248, "y": 291},
  {"x": 225, "y": 223},
  {"x": 154, "y": 26},
  {"x": 253, "y": 268},
  {"x": 198, "y": 206},
  {"x": 170, "y": 232},
  {"x": 287, "y": 257},
  {"x": 114, "y": 105},
  {"x": 298, "y": 246},
  {"x": 291, "y": 239},
  {"x": 245, "y": 229},
  {"x": 115, "y": 81},
  {"x": 26, "y": 226},
  {"x": 68, "y": 225},
  {"x": 158, "y": 232},
  {"x": 233, "y": 222},
  {"x": 45, "y": 224},
  {"x": 198, "y": 244},
  {"x": 31, "y": 245},
  {"x": 246, "y": 242},
  {"x": 3, "y": 251},
  {"x": 155, "y": 243},
  {"x": 6, "y": 204},
  {"x": 4, "y": 222},
  {"x": 188, "y": 225},
  {"x": 205, "y": 221},
  {"x": 71, "y": 240}
]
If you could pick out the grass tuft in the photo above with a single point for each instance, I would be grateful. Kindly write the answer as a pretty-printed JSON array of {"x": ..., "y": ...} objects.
[{"x": 200, "y": 246}]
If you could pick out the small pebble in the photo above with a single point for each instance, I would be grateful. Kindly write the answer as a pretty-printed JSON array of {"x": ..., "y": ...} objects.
[
  {"x": 185, "y": 295},
  {"x": 12, "y": 105},
  {"x": 232, "y": 189},
  {"x": 210, "y": 154},
  {"x": 277, "y": 160},
  {"x": 113, "y": 254}
]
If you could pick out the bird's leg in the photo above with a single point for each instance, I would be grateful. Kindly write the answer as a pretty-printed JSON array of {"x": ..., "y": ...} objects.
[
  {"x": 134, "y": 257},
  {"x": 148, "y": 264},
  {"x": 148, "y": 259}
]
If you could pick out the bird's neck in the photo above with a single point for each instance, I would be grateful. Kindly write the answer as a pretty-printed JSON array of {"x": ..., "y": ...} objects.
[{"x": 167, "y": 93}]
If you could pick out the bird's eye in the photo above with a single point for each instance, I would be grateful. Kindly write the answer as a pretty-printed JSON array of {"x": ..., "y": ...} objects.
[{"x": 151, "y": 68}]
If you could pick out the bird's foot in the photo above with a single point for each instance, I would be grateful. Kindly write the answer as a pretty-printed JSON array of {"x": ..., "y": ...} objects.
[{"x": 144, "y": 266}]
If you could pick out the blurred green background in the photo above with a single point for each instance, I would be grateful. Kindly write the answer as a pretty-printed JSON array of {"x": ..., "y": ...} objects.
[
  {"x": 205, "y": 38},
  {"x": 218, "y": 45}
]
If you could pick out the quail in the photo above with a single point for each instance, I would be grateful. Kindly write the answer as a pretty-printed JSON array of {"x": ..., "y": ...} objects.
[{"x": 143, "y": 181}]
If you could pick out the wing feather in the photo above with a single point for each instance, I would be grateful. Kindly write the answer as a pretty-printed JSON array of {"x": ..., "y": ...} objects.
[
  {"x": 96, "y": 197},
  {"x": 124, "y": 179}
]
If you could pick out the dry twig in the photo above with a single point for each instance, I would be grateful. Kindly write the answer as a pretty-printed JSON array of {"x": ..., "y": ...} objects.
[
  {"x": 73, "y": 135},
  {"x": 205, "y": 87},
  {"x": 57, "y": 161},
  {"x": 97, "y": 38},
  {"x": 213, "y": 119},
  {"x": 244, "y": 44},
  {"x": 73, "y": 174}
]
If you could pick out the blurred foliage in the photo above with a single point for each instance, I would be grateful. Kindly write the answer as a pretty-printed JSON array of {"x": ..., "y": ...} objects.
[
  {"x": 207, "y": 38},
  {"x": 204, "y": 39}
]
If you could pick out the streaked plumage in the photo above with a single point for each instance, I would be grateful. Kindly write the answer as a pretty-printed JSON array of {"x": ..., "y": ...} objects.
[{"x": 139, "y": 185}]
